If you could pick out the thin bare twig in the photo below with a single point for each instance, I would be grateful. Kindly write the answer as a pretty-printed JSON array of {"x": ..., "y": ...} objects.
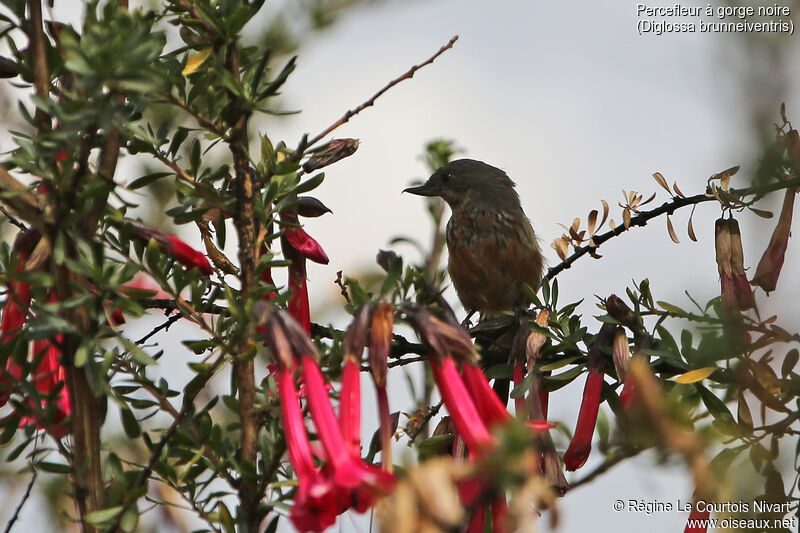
[
  {"x": 407, "y": 75},
  {"x": 22, "y": 502}
]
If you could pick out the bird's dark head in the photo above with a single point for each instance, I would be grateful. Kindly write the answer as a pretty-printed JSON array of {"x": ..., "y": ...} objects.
[{"x": 467, "y": 182}]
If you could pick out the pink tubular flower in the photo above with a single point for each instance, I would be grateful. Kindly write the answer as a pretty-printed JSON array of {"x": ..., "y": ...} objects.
[
  {"x": 18, "y": 299},
  {"x": 298, "y": 246},
  {"x": 350, "y": 395},
  {"x": 581, "y": 444},
  {"x": 350, "y": 406},
  {"x": 460, "y": 405},
  {"x": 500, "y": 515},
  {"x": 478, "y": 521},
  {"x": 490, "y": 408},
  {"x": 349, "y": 472},
  {"x": 316, "y": 504},
  {"x": 628, "y": 394},
  {"x": 183, "y": 253},
  {"x": 306, "y": 245},
  {"x": 188, "y": 256}
]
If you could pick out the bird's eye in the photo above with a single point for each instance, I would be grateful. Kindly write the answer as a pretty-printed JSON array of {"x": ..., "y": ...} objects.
[{"x": 446, "y": 177}]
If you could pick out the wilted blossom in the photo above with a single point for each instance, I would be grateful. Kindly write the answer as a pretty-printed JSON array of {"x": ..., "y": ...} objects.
[
  {"x": 769, "y": 268},
  {"x": 736, "y": 291},
  {"x": 183, "y": 253},
  {"x": 621, "y": 352},
  {"x": 379, "y": 345}
]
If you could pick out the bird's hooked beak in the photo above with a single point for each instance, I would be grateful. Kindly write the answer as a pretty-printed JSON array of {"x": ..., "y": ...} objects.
[{"x": 422, "y": 190}]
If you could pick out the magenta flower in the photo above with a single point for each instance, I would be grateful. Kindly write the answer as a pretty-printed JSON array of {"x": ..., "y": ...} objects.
[
  {"x": 183, "y": 253},
  {"x": 298, "y": 246},
  {"x": 581, "y": 444},
  {"x": 628, "y": 394},
  {"x": 18, "y": 299},
  {"x": 490, "y": 408},
  {"x": 350, "y": 395},
  {"x": 460, "y": 405},
  {"x": 349, "y": 472},
  {"x": 350, "y": 406},
  {"x": 316, "y": 503}
]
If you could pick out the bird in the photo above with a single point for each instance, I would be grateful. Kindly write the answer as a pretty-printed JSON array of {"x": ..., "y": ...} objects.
[{"x": 491, "y": 244}]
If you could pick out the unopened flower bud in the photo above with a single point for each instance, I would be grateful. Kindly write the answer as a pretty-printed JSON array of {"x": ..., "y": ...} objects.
[
  {"x": 310, "y": 207},
  {"x": 337, "y": 149},
  {"x": 619, "y": 310}
]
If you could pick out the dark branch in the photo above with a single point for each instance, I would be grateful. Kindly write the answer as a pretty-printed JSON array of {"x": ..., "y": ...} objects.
[
  {"x": 665, "y": 209},
  {"x": 22, "y": 502}
]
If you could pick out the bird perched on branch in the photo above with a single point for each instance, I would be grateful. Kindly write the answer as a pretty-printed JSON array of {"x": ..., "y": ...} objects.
[{"x": 492, "y": 247}]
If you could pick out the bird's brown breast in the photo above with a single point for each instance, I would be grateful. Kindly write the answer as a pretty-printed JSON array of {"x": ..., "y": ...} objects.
[{"x": 491, "y": 255}]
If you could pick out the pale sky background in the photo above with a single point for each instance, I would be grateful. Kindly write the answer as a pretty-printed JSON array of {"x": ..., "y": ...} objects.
[{"x": 575, "y": 106}]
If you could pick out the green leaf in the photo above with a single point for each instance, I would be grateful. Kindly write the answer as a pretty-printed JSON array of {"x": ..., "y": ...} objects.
[
  {"x": 130, "y": 424},
  {"x": 789, "y": 362},
  {"x": 55, "y": 468},
  {"x": 147, "y": 179},
  {"x": 103, "y": 515},
  {"x": 501, "y": 371},
  {"x": 310, "y": 184}
]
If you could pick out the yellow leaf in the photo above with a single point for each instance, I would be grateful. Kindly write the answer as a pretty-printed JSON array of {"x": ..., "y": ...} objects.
[
  {"x": 196, "y": 59},
  {"x": 693, "y": 376}
]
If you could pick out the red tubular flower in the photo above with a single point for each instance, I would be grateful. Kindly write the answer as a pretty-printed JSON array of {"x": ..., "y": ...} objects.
[
  {"x": 698, "y": 521},
  {"x": 183, "y": 253},
  {"x": 298, "y": 246},
  {"x": 478, "y": 521},
  {"x": 581, "y": 444},
  {"x": 18, "y": 299},
  {"x": 188, "y": 256},
  {"x": 349, "y": 472},
  {"x": 298, "y": 302},
  {"x": 460, "y": 405},
  {"x": 350, "y": 406},
  {"x": 306, "y": 245},
  {"x": 628, "y": 394},
  {"x": 490, "y": 408},
  {"x": 350, "y": 395},
  {"x": 49, "y": 375},
  {"x": 316, "y": 504},
  {"x": 499, "y": 515}
]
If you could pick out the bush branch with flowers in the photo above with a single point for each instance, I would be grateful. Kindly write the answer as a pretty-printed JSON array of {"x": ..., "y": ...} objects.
[{"x": 78, "y": 264}]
